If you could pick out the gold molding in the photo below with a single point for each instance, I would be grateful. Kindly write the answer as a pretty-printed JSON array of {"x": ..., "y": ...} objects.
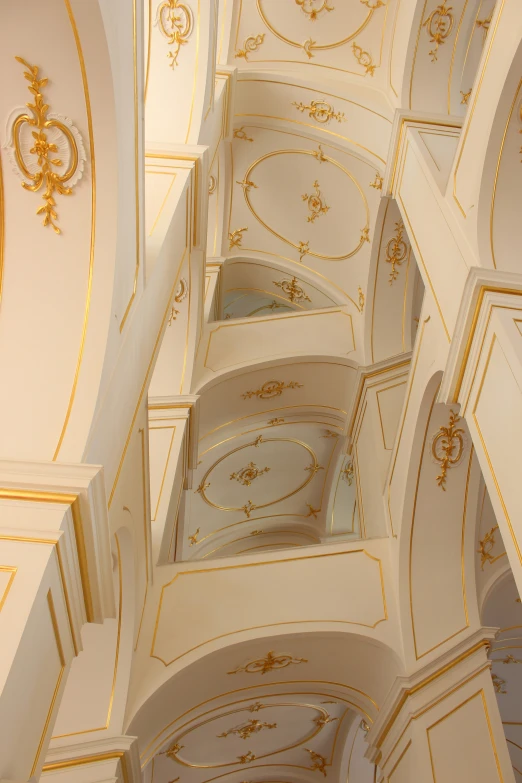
[
  {"x": 310, "y": 45},
  {"x": 303, "y": 247},
  {"x": 256, "y": 706},
  {"x": 258, "y": 564},
  {"x": 249, "y": 506},
  {"x": 10, "y": 570},
  {"x": 73, "y": 501},
  {"x": 175, "y": 747}
]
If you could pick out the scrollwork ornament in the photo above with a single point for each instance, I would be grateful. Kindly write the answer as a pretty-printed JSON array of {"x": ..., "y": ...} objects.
[
  {"x": 252, "y": 43},
  {"x": 396, "y": 251},
  {"x": 364, "y": 59},
  {"x": 447, "y": 448},
  {"x": 45, "y": 148},
  {"x": 176, "y": 23},
  {"x": 439, "y": 25},
  {"x": 312, "y": 8}
]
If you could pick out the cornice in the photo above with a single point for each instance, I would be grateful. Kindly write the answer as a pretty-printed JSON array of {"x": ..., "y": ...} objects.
[
  {"x": 483, "y": 290},
  {"x": 396, "y": 711}
]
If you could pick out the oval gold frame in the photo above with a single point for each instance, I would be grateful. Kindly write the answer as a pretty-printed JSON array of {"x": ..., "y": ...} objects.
[
  {"x": 202, "y": 487},
  {"x": 312, "y": 153},
  {"x": 188, "y": 731},
  {"x": 316, "y": 47}
]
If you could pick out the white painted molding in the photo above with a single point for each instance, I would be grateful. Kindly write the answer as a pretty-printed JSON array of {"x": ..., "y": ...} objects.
[{"x": 88, "y": 484}]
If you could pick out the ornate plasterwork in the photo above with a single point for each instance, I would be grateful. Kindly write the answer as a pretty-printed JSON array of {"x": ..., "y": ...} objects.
[
  {"x": 45, "y": 148},
  {"x": 239, "y": 133},
  {"x": 293, "y": 291},
  {"x": 269, "y": 663},
  {"x": 175, "y": 23},
  {"x": 318, "y": 761},
  {"x": 439, "y": 25},
  {"x": 315, "y": 203},
  {"x": 486, "y": 546},
  {"x": 320, "y": 111},
  {"x": 246, "y": 730},
  {"x": 396, "y": 251},
  {"x": 235, "y": 238},
  {"x": 271, "y": 389},
  {"x": 311, "y": 46},
  {"x": 312, "y": 8},
  {"x": 248, "y": 474},
  {"x": 364, "y": 59},
  {"x": 252, "y": 43},
  {"x": 447, "y": 448}
]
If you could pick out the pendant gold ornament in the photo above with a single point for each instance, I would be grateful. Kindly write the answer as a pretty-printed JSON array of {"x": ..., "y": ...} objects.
[
  {"x": 57, "y": 156},
  {"x": 377, "y": 183},
  {"x": 447, "y": 448},
  {"x": 312, "y": 8},
  {"x": 293, "y": 291},
  {"x": 439, "y": 25},
  {"x": 396, "y": 251},
  {"x": 498, "y": 683},
  {"x": 175, "y": 23}
]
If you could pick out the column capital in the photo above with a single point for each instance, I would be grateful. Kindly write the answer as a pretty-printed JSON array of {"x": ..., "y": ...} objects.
[
  {"x": 403, "y": 120},
  {"x": 81, "y": 488},
  {"x": 484, "y": 290},
  {"x": 111, "y": 757},
  {"x": 411, "y": 695}
]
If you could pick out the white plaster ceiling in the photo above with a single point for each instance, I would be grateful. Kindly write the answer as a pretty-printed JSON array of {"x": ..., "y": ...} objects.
[{"x": 347, "y": 39}]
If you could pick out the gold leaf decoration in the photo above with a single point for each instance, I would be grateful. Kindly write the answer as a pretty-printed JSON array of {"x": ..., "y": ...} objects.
[{"x": 57, "y": 156}]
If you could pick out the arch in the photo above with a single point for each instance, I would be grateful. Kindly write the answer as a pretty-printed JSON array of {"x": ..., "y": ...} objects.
[
  {"x": 357, "y": 669},
  {"x": 95, "y": 267},
  {"x": 498, "y": 228},
  {"x": 437, "y": 540}
]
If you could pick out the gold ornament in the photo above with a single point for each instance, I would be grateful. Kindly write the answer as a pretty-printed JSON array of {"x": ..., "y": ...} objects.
[
  {"x": 364, "y": 59},
  {"x": 53, "y": 136},
  {"x": 447, "y": 440},
  {"x": 311, "y": 8},
  {"x": 252, "y": 43},
  {"x": 269, "y": 663},
  {"x": 247, "y": 475},
  {"x": 271, "y": 389},
  {"x": 293, "y": 291},
  {"x": 396, "y": 251},
  {"x": 320, "y": 111},
  {"x": 235, "y": 238},
  {"x": 439, "y": 25},
  {"x": 315, "y": 203},
  {"x": 175, "y": 22}
]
